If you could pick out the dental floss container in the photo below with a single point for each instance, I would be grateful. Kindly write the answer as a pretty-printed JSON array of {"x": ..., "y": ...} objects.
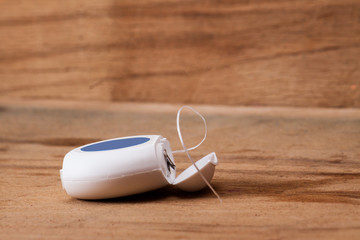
[{"x": 130, "y": 165}]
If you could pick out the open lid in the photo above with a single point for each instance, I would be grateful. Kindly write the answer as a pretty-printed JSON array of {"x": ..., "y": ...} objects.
[{"x": 190, "y": 179}]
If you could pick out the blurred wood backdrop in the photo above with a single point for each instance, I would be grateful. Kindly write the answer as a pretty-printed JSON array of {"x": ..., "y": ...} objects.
[
  {"x": 257, "y": 53},
  {"x": 68, "y": 70}
]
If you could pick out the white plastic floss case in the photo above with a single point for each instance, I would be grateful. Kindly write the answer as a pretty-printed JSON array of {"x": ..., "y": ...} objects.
[{"x": 130, "y": 165}]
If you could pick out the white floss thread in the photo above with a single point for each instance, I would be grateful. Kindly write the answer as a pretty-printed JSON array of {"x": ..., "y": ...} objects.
[{"x": 186, "y": 150}]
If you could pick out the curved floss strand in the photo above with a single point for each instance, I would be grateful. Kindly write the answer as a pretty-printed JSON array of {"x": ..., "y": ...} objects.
[
  {"x": 179, "y": 132},
  {"x": 186, "y": 150}
]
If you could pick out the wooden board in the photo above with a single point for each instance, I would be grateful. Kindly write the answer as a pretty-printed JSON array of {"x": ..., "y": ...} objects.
[
  {"x": 255, "y": 53},
  {"x": 283, "y": 174}
]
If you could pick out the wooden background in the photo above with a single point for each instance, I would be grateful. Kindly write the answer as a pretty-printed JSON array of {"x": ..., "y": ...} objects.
[
  {"x": 268, "y": 53},
  {"x": 282, "y": 173},
  {"x": 277, "y": 81}
]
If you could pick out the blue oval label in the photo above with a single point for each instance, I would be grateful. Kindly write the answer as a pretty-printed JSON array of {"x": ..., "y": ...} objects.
[{"x": 115, "y": 144}]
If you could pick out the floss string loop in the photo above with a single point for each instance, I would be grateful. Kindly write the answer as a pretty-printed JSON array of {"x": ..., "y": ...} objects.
[{"x": 186, "y": 150}]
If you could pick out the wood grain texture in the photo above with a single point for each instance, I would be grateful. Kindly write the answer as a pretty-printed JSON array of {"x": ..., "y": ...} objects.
[
  {"x": 284, "y": 173},
  {"x": 267, "y": 53}
]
